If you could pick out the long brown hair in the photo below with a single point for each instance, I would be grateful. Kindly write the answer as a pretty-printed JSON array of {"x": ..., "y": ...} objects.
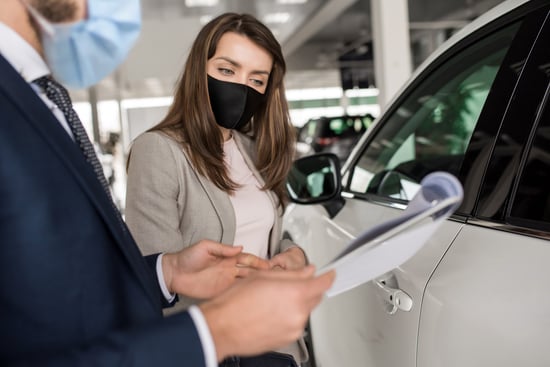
[{"x": 191, "y": 122}]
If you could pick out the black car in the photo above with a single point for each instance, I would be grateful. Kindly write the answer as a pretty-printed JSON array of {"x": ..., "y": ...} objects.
[{"x": 337, "y": 134}]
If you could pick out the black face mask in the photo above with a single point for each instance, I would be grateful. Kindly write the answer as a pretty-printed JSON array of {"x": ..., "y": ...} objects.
[{"x": 233, "y": 104}]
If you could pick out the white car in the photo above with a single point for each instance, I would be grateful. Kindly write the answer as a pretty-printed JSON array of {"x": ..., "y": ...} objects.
[{"x": 478, "y": 108}]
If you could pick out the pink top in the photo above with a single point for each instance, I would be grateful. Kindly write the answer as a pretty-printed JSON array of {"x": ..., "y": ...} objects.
[{"x": 254, "y": 212}]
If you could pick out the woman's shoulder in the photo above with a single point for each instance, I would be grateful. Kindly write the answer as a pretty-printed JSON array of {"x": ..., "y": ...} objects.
[
  {"x": 157, "y": 141},
  {"x": 158, "y": 144},
  {"x": 154, "y": 137}
]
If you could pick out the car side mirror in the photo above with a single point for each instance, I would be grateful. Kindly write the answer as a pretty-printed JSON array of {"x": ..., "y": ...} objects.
[{"x": 314, "y": 179}]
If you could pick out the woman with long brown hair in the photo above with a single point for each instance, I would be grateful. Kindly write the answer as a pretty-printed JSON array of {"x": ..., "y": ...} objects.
[{"x": 215, "y": 166}]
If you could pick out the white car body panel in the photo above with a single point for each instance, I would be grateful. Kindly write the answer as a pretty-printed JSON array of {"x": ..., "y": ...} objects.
[
  {"x": 478, "y": 288},
  {"x": 363, "y": 340},
  {"x": 508, "y": 274}
]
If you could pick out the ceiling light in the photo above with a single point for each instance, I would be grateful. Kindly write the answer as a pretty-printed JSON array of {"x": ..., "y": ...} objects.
[
  {"x": 276, "y": 18},
  {"x": 197, "y": 3},
  {"x": 292, "y": 1}
]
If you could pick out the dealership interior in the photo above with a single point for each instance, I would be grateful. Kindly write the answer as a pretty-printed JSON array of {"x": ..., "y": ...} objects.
[
  {"x": 275, "y": 183},
  {"x": 343, "y": 57}
]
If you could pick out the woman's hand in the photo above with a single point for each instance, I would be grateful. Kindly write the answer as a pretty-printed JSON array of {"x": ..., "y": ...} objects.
[
  {"x": 293, "y": 258},
  {"x": 207, "y": 268}
]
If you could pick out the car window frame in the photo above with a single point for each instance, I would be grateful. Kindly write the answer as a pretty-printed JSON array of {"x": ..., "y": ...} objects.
[
  {"x": 497, "y": 96},
  {"x": 532, "y": 94}
]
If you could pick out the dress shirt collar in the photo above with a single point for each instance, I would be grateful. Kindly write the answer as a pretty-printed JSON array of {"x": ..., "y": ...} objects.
[{"x": 21, "y": 55}]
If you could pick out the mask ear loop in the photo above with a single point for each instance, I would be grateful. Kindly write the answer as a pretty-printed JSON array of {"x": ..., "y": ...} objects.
[{"x": 44, "y": 24}]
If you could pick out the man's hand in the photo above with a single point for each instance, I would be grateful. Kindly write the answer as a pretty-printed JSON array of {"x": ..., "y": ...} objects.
[
  {"x": 207, "y": 268},
  {"x": 264, "y": 311},
  {"x": 291, "y": 259}
]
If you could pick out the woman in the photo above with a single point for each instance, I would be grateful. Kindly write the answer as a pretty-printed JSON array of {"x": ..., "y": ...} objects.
[{"x": 215, "y": 166}]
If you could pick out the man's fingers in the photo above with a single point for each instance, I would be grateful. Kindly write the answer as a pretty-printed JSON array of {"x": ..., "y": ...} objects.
[
  {"x": 322, "y": 282},
  {"x": 242, "y": 272},
  {"x": 325, "y": 280},
  {"x": 303, "y": 273},
  {"x": 221, "y": 250},
  {"x": 318, "y": 286},
  {"x": 252, "y": 261}
]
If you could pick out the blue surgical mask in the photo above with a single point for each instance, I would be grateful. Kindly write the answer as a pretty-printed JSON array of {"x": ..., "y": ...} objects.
[{"x": 82, "y": 53}]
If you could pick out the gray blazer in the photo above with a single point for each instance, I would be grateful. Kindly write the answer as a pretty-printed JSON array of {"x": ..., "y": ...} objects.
[{"x": 169, "y": 206}]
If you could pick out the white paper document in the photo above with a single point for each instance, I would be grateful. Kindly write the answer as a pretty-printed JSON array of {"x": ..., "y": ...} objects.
[{"x": 387, "y": 245}]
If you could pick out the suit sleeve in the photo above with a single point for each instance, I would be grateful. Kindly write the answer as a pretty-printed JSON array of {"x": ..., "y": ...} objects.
[
  {"x": 152, "y": 263},
  {"x": 151, "y": 195},
  {"x": 164, "y": 342}
]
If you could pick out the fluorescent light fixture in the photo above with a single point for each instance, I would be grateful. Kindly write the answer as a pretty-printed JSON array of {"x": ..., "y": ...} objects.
[
  {"x": 364, "y": 92},
  {"x": 276, "y": 18},
  {"x": 292, "y": 1},
  {"x": 313, "y": 93},
  {"x": 145, "y": 102},
  {"x": 197, "y": 3}
]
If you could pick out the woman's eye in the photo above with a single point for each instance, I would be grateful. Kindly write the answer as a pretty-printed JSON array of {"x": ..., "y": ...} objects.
[
  {"x": 257, "y": 82},
  {"x": 225, "y": 71}
]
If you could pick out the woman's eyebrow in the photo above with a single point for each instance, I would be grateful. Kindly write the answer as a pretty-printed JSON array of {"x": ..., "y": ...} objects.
[
  {"x": 229, "y": 60},
  {"x": 237, "y": 64}
]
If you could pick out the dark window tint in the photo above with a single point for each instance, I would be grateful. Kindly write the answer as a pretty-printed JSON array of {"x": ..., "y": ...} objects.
[
  {"x": 520, "y": 138},
  {"x": 532, "y": 199}
]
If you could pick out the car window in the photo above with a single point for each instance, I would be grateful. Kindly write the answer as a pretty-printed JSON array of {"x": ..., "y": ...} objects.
[
  {"x": 532, "y": 200},
  {"x": 431, "y": 128},
  {"x": 335, "y": 127},
  {"x": 346, "y": 126},
  {"x": 308, "y": 131},
  {"x": 509, "y": 146},
  {"x": 358, "y": 125}
]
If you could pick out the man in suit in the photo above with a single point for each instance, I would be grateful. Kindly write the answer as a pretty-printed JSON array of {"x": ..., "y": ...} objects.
[{"x": 75, "y": 290}]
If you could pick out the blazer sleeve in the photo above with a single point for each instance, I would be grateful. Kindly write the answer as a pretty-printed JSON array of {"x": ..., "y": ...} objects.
[
  {"x": 152, "y": 195},
  {"x": 162, "y": 343}
]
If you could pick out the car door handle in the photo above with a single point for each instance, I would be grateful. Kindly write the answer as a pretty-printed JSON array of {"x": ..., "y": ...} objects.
[{"x": 396, "y": 298}]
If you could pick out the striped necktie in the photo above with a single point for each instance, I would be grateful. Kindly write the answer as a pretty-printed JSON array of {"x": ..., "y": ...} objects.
[{"x": 59, "y": 95}]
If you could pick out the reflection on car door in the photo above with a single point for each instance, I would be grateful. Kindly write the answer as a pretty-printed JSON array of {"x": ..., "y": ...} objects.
[
  {"x": 484, "y": 305},
  {"x": 435, "y": 125}
]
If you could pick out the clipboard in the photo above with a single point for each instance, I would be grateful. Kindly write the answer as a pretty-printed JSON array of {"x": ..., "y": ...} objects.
[{"x": 382, "y": 248}]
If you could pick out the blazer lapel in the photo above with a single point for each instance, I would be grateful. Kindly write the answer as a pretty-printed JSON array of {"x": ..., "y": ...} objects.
[
  {"x": 220, "y": 202},
  {"x": 49, "y": 128}
]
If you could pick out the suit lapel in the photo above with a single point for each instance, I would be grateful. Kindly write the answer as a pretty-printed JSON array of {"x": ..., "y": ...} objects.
[{"x": 56, "y": 138}]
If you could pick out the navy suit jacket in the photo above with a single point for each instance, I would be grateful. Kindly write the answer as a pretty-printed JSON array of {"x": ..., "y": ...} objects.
[{"x": 74, "y": 287}]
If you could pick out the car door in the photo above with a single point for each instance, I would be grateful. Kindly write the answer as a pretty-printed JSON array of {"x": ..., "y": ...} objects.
[
  {"x": 442, "y": 121},
  {"x": 486, "y": 303}
]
